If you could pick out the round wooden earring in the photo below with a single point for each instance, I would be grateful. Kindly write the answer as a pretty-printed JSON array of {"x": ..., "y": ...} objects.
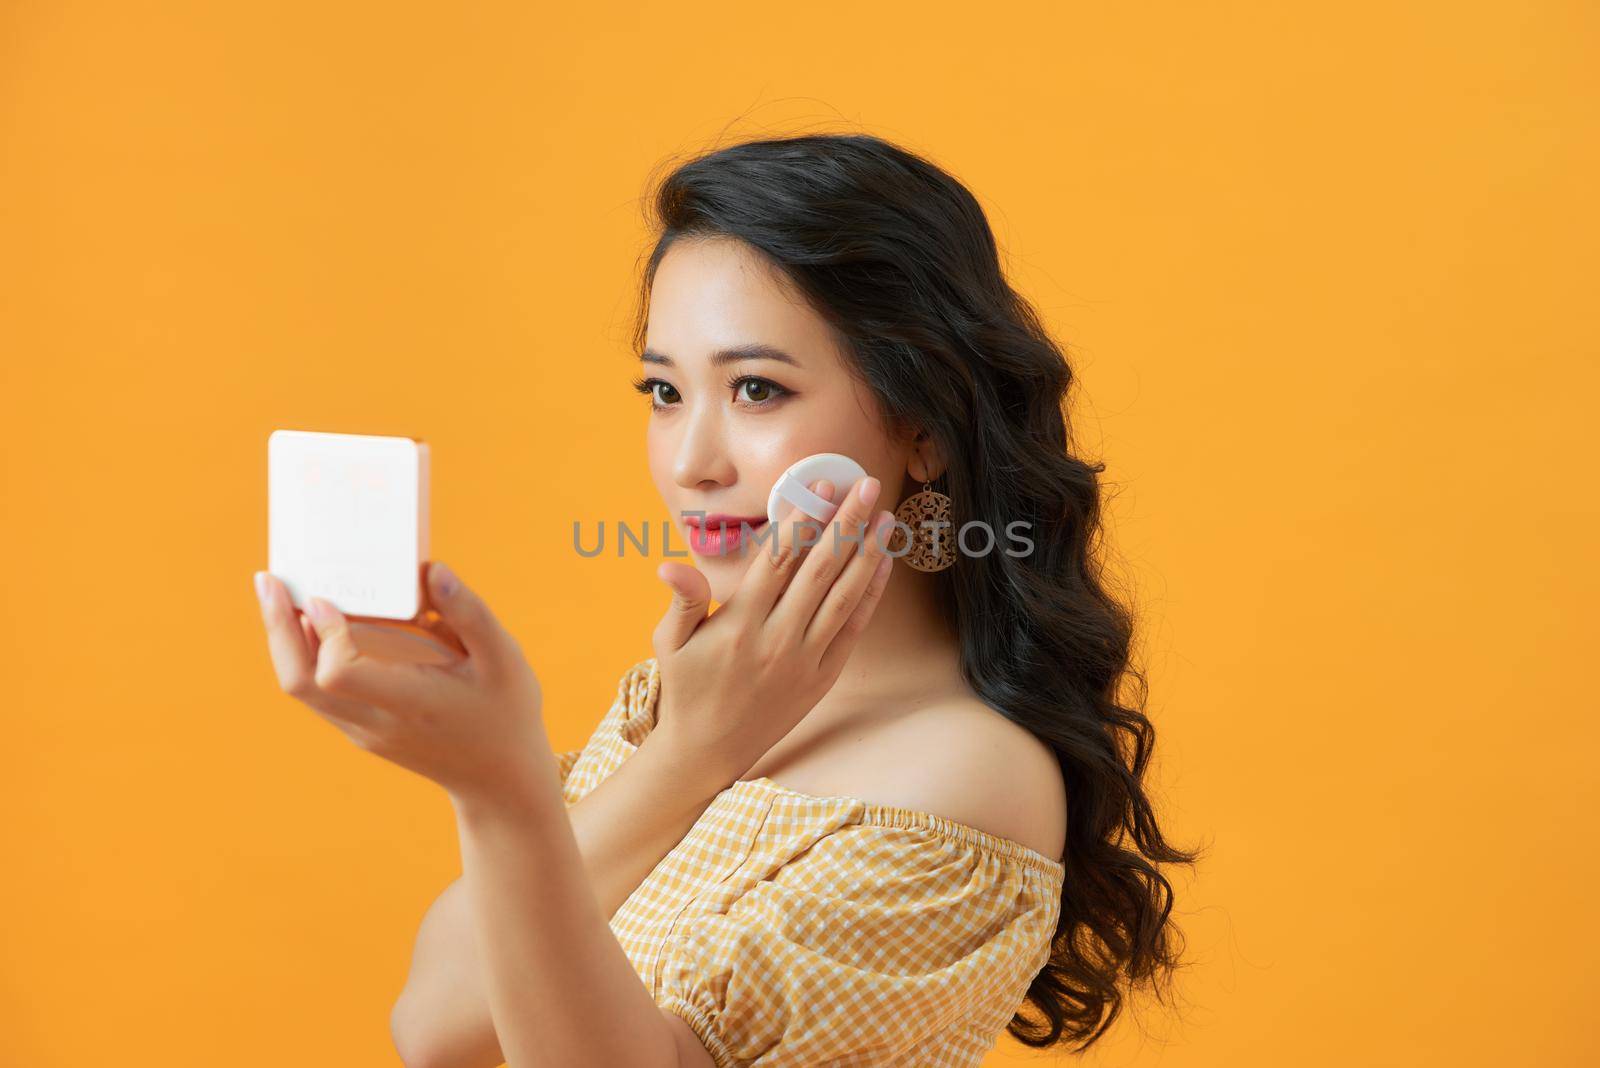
[{"x": 933, "y": 548}]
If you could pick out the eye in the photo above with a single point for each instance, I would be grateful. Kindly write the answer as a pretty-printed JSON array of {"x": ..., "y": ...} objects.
[
  {"x": 765, "y": 391},
  {"x": 756, "y": 392},
  {"x": 658, "y": 401}
]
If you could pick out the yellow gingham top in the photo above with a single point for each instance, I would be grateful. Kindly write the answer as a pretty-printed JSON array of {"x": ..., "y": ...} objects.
[{"x": 790, "y": 929}]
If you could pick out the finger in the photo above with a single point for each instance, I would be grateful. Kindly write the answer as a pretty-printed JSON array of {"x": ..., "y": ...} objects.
[
  {"x": 313, "y": 643},
  {"x": 469, "y": 618},
  {"x": 294, "y": 645},
  {"x": 691, "y": 596},
  {"x": 780, "y": 554},
  {"x": 844, "y": 540},
  {"x": 844, "y": 596},
  {"x": 342, "y": 671},
  {"x": 432, "y": 622},
  {"x": 849, "y": 632},
  {"x": 292, "y": 659}
]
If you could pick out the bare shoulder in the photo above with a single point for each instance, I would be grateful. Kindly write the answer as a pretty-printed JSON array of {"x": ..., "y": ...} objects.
[
  {"x": 966, "y": 761},
  {"x": 957, "y": 758}
]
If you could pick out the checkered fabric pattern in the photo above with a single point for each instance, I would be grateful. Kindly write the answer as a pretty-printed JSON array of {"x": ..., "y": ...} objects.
[{"x": 790, "y": 929}]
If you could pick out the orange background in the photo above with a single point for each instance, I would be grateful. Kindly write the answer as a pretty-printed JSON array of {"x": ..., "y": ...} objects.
[{"x": 1328, "y": 273}]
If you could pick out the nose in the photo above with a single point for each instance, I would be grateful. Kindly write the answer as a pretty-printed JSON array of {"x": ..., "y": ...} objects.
[{"x": 702, "y": 457}]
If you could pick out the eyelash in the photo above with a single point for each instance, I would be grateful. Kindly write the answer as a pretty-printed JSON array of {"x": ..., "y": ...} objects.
[{"x": 647, "y": 386}]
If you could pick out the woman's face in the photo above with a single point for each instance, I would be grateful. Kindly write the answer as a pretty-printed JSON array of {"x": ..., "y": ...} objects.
[{"x": 745, "y": 379}]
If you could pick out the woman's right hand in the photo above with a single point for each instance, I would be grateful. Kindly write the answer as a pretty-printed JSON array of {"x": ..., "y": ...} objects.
[{"x": 734, "y": 683}]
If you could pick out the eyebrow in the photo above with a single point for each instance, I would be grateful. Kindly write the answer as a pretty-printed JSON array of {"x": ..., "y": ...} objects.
[{"x": 753, "y": 351}]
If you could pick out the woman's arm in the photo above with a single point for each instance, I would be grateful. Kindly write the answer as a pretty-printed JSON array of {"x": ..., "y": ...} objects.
[
  {"x": 561, "y": 990},
  {"x": 624, "y": 826}
]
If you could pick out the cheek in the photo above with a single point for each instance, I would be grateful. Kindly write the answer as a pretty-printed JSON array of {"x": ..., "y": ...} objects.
[
  {"x": 766, "y": 447},
  {"x": 843, "y": 427},
  {"x": 817, "y": 424},
  {"x": 723, "y": 583},
  {"x": 659, "y": 449}
]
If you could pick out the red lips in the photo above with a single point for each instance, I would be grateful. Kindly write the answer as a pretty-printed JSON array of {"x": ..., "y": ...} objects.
[
  {"x": 711, "y": 522},
  {"x": 719, "y": 534}
]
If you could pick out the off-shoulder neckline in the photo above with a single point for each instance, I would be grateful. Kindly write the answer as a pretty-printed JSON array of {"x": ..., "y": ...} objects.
[
  {"x": 884, "y": 815},
  {"x": 873, "y": 812}
]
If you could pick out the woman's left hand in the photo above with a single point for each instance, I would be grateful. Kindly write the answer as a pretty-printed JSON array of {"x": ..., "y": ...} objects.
[{"x": 472, "y": 725}]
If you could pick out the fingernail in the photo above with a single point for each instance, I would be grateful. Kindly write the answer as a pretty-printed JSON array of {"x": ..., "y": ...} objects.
[
  {"x": 444, "y": 580},
  {"x": 261, "y": 587},
  {"x": 868, "y": 490},
  {"x": 825, "y": 489},
  {"x": 885, "y": 523},
  {"x": 319, "y": 610}
]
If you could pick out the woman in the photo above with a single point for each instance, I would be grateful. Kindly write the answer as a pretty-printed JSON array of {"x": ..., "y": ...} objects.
[{"x": 865, "y": 812}]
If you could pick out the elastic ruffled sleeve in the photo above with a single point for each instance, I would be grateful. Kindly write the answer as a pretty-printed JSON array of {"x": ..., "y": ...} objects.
[
  {"x": 877, "y": 945},
  {"x": 617, "y": 734},
  {"x": 565, "y": 762}
]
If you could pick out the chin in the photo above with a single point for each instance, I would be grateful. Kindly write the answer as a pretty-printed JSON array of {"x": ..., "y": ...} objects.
[{"x": 722, "y": 573}]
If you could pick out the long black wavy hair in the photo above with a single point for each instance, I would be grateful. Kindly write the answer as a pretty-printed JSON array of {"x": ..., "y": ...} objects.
[{"x": 899, "y": 258}]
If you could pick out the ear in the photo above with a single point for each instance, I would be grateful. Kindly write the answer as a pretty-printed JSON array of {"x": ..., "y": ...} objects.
[{"x": 926, "y": 462}]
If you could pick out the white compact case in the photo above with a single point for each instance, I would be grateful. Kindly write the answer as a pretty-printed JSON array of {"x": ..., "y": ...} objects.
[{"x": 347, "y": 518}]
